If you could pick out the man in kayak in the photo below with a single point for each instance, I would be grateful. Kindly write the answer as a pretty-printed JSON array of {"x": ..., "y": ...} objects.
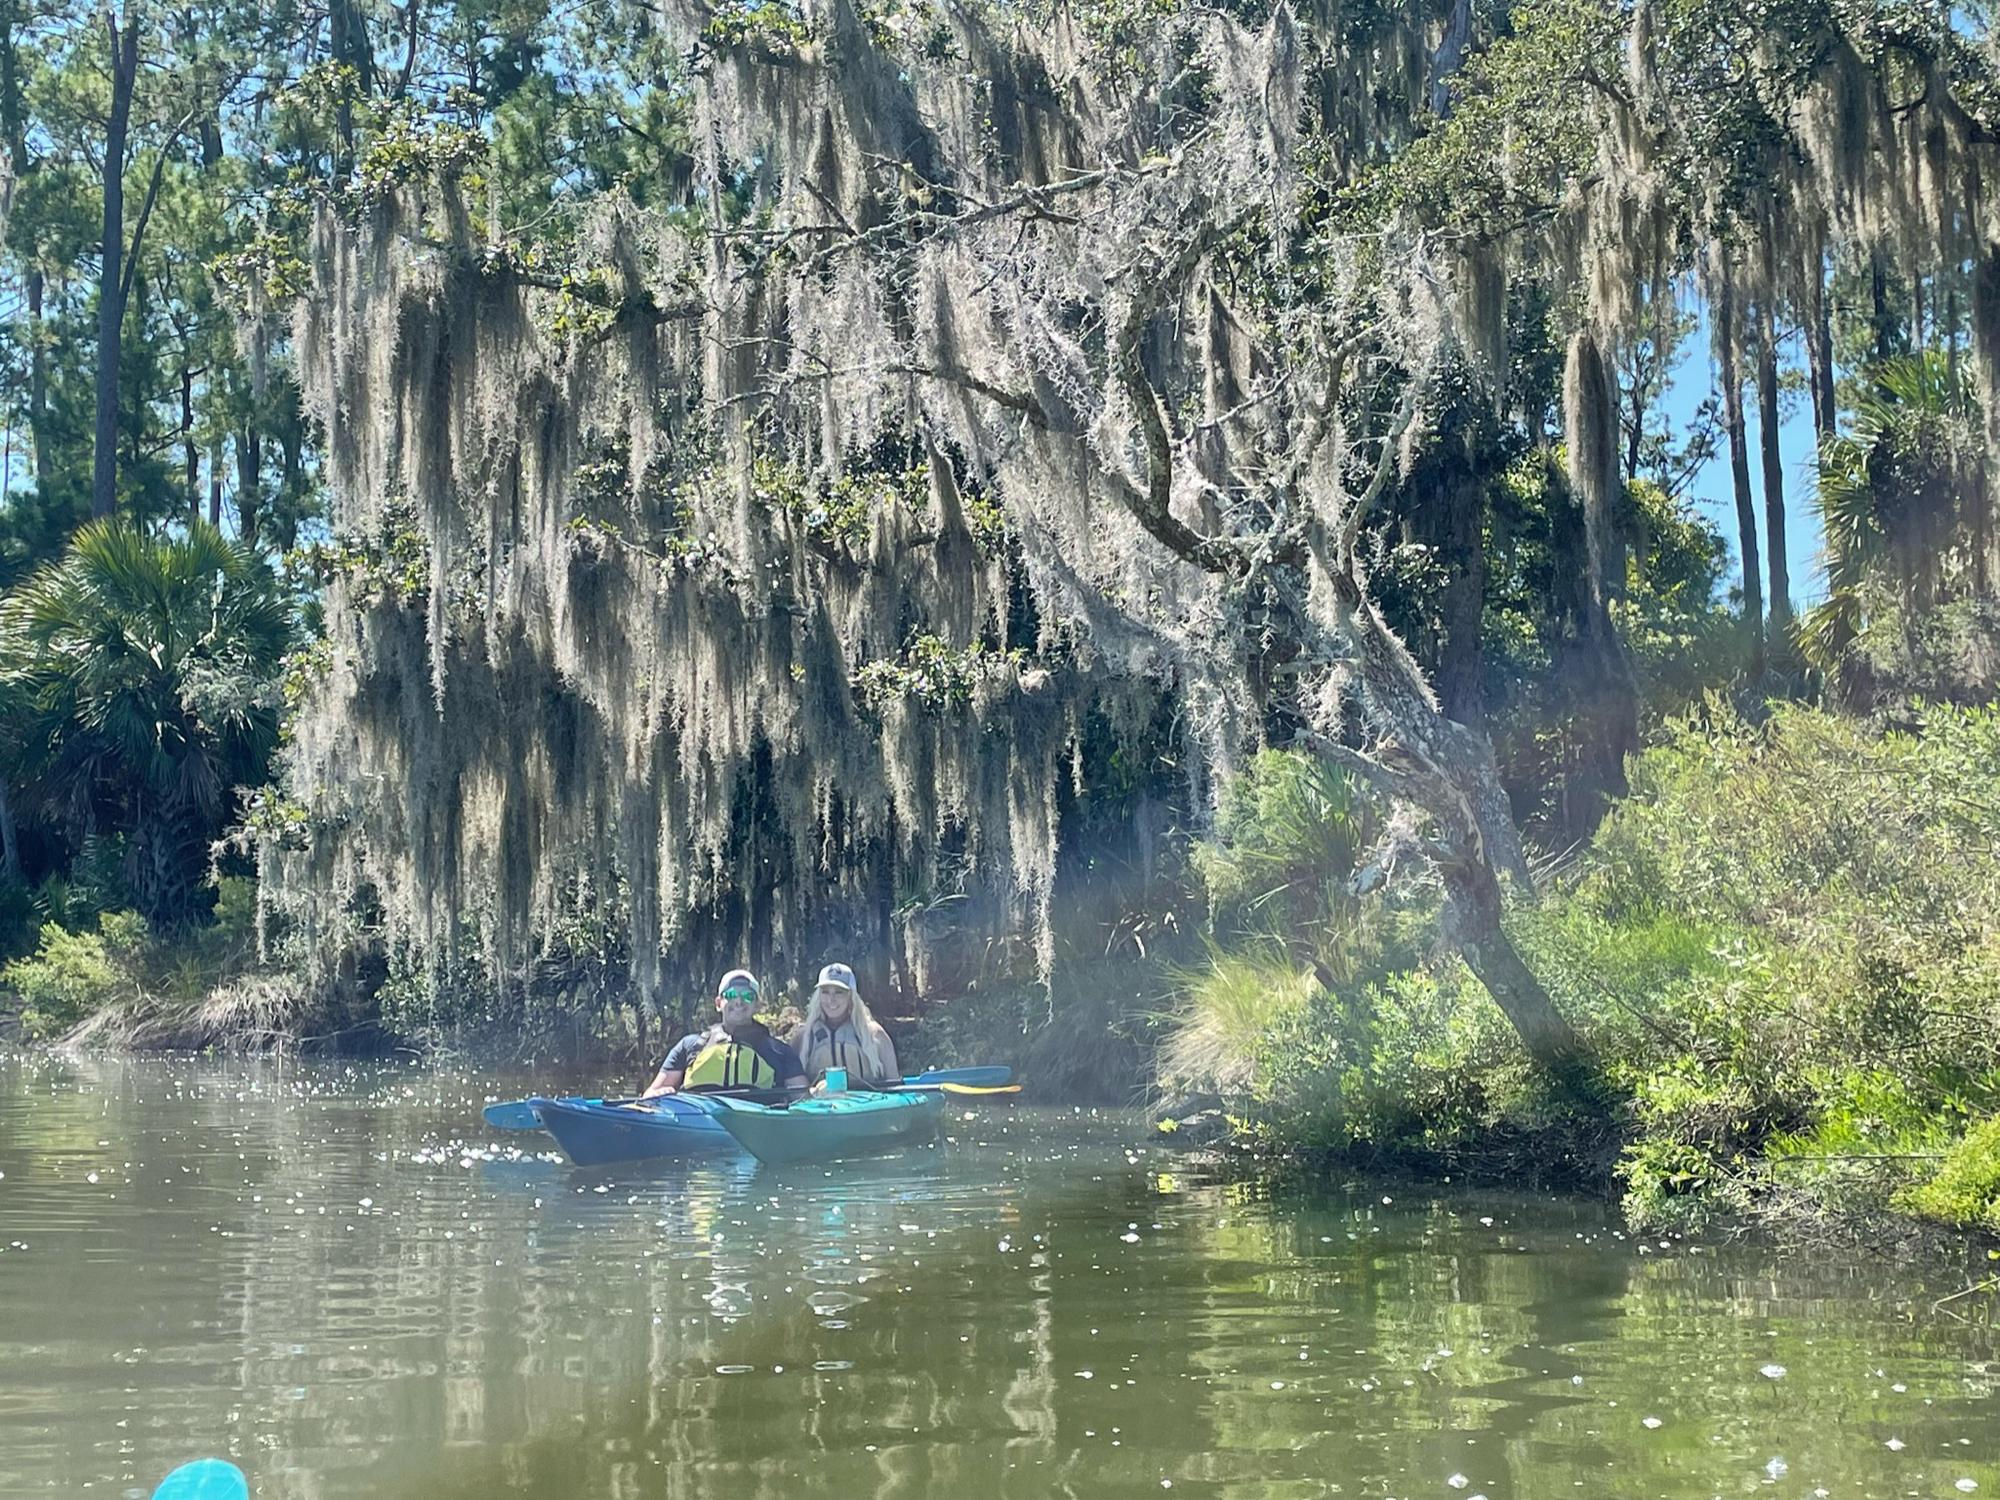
[
  {"x": 840, "y": 1033},
  {"x": 737, "y": 1053}
]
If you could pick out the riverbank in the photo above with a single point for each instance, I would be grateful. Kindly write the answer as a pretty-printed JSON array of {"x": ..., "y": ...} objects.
[{"x": 1782, "y": 950}]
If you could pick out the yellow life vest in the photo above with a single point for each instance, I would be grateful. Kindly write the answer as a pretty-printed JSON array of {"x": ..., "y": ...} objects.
[{"x": 727, "y": 1064}]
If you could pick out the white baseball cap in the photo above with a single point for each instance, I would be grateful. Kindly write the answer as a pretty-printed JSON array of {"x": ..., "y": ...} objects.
[
  {"x": 740, "y": 979},
  {"x": 839, "y": 976}
]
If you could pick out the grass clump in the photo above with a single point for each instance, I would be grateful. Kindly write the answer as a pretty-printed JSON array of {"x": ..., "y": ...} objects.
[{"x": 1229, "y": 1003}]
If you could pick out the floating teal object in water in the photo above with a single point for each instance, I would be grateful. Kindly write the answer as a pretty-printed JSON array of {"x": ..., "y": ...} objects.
[{"x": 204, "y": 1479}]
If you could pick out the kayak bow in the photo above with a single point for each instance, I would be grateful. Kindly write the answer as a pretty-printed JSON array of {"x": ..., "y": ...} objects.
[{"x": 595, "y": 1133}]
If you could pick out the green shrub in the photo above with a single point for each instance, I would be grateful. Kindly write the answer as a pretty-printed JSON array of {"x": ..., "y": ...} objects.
[
  {"x": 1965, "y": 1191},
  {"x": 72, "y": 975},
  {"x": 1783, "y": 948}
]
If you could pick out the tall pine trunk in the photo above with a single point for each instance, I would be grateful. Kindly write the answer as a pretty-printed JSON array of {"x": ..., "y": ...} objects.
[
  {"x": 190, "y": 453},
  {"x": 1774, "y": 463},
  {"x": 215, "y": 483},
  {"x": 1825, "y": 412},
  {"x": 1727, "y": 336},
  {"x": 21, "y": 166},
  {"x": 111, "y": 270}
]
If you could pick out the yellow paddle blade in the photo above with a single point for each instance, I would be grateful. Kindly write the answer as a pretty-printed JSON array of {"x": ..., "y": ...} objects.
[{"x": 969, "y": 1088}]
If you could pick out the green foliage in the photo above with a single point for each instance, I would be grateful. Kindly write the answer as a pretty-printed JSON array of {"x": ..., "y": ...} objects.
[
  {"x": 769, "y": 28},
  {"x": 391, "y": 563},
  {"x": 408, "y": 148},
  {"x": 1784, "y": 948},
  {"x": 840, "y": 512},
  {"x": 115, "y": 967},
  {"x": 1897, "y": 501},
  {"x": 1287, "y": 837},
  {"x": 1965, "y": 1191},
  {"x": 936, "y": 675},
  {"x": 139, "y": 679},
  {"x": 72, "y": 975}
]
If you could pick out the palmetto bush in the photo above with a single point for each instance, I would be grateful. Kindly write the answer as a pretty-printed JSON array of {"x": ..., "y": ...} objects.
[
  {"x": 1909, "y": 604},
  {"x": 138, "y": 678}
]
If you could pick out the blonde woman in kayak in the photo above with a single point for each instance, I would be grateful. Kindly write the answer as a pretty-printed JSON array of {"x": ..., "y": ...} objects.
[{"x": 840, "y": 1033}]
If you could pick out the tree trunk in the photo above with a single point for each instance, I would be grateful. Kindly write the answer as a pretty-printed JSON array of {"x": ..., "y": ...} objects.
[
  {"x": 1886, "y": 332},
  {"x": 291, "y": 469},
  {"x": 21, "y": 165},
  {"x": 249, "y": 483},
  {"x": 1984, "y": 347},
  {"x": 1450, "y": 56},
  {"x": 1461, "y": 660},
  {"x": 38, "y": 379},
  {"x": 10, "y": 849},
  {"x": 348, "y": 41},
  {"x": 111, "y": 270},
  {"x": 1825, "y": 409},
  {"x": 1774, "y": 465},
  {"x": 1604, "y": 694},
  {"x": 1726, "y": 333},
  {"x": 215, "y": 484},
  {"x": 190, "y": 454},
  {"x": 1473, "y": 923},
  {"x": 1951, "y": 338}
]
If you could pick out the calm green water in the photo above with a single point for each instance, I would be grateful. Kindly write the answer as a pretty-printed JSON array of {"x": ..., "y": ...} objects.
[{"x": 328, "y": 1277}]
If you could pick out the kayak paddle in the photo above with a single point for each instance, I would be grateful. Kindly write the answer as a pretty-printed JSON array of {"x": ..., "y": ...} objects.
[
  {"x": 519, "y": 1114},
  {"x": 991, "y": 1077},
  {"x": 204, "y": 1479}
]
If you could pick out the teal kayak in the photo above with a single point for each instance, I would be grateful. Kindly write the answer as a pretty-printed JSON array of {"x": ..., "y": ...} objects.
[{"x": 828, "y": 1125}]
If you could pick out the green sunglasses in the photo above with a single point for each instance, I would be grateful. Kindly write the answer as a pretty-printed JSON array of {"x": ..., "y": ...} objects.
[{"x": 734, "y": 993}]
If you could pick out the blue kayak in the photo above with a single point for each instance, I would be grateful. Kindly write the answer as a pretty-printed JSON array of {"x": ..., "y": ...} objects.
[
  {"x": 594, "y": 1133},
  {"x": 828, "y": 1126}
]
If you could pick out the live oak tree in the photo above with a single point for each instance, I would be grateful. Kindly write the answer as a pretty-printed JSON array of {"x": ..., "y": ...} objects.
[
  {"x": 983, "y": 371},
  {"x": 1096, "y": 307}
]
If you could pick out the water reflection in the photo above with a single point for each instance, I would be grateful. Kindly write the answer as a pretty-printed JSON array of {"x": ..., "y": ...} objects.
[{"x": 339, "y": 1280}]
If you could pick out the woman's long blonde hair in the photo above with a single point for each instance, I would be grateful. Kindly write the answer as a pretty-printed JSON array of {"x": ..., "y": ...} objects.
[{"x": 818, "y": 1059}]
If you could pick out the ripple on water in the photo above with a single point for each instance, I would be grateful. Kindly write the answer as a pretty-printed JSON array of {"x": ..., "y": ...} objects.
[{"x": 334, "y": 1277}]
